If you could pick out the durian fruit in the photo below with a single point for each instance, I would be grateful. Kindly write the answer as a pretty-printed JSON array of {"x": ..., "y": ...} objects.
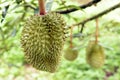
[
  {"x": 95, "y": 56},
  {"x": 42, "y": 40},
  {"x": 70, "y": 54}
]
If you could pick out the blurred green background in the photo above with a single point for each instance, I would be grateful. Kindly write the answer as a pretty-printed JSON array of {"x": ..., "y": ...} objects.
[{"x": 13, "y": 66}]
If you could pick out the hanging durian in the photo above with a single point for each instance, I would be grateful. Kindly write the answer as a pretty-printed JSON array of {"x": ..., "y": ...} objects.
[
  {"x": 70, "y": 54},
  {"x": 95, "y": 56},
  {"x": 42, "y": 40}
]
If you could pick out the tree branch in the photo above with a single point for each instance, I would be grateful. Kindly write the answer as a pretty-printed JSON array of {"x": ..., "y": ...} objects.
[
  {"x": 75, "y": 9},
  {"x": 98, "y": 15}
]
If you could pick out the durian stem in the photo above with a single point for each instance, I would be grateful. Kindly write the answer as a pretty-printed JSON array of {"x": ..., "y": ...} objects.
[
  {"x": 71, "y": 37},
  {"x": 41, "y": 7},
  {"x": 97, "y": 31}
]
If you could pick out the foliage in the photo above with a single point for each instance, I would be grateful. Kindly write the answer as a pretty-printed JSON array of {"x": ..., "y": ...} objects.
[{"x": 13, "y": 66}]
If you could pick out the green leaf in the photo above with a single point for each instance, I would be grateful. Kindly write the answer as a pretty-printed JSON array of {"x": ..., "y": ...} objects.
[{"x": 18, "y": 1}]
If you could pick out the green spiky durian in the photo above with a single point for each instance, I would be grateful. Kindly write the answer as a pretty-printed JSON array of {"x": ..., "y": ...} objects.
[
  {"x": 42, "y": 40},
  {"x": 70, "y": 54},
  {"x": 95, "y": 56}
]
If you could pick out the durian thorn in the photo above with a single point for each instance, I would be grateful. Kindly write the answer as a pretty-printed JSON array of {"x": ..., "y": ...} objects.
[
  {"x": 41, "y": 7},
  {"x": 67, "y": 28},
  {"x": 65, "y": 32},
  {"x": 71, "y": 31},
  {"x": 97, "y": 31}
]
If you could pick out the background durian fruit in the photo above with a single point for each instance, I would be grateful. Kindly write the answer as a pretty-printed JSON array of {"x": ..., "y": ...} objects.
[
  {"x": 95, "y": 56},
  {"x": 42, "y": 40},
  {"x": 70, "y": 54}
]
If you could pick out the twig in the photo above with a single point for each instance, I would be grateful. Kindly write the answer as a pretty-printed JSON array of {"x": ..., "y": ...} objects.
[
  {"x": 98, "y": 15},
  {"x": 82, "y": 28},
  {"x": 75, "y": 9}
]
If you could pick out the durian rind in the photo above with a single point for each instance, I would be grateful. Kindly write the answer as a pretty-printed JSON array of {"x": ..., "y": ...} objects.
[
  {"x": 95, "y": 56},
  {"x": 70, "y": 54},
  {"x": 42, "y": 40}
]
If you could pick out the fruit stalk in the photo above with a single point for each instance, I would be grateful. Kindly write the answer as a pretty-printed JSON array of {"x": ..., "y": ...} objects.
[
  {"x": 41, "y": 7},
  {"x": 97, "y": 31},
  {"x": 71, "y": 37}
]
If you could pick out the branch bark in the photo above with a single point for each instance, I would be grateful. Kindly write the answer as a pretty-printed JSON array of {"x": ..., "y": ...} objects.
[
  {"x": 82, "y": 7},
  {"x": 98, "y": 15}
]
